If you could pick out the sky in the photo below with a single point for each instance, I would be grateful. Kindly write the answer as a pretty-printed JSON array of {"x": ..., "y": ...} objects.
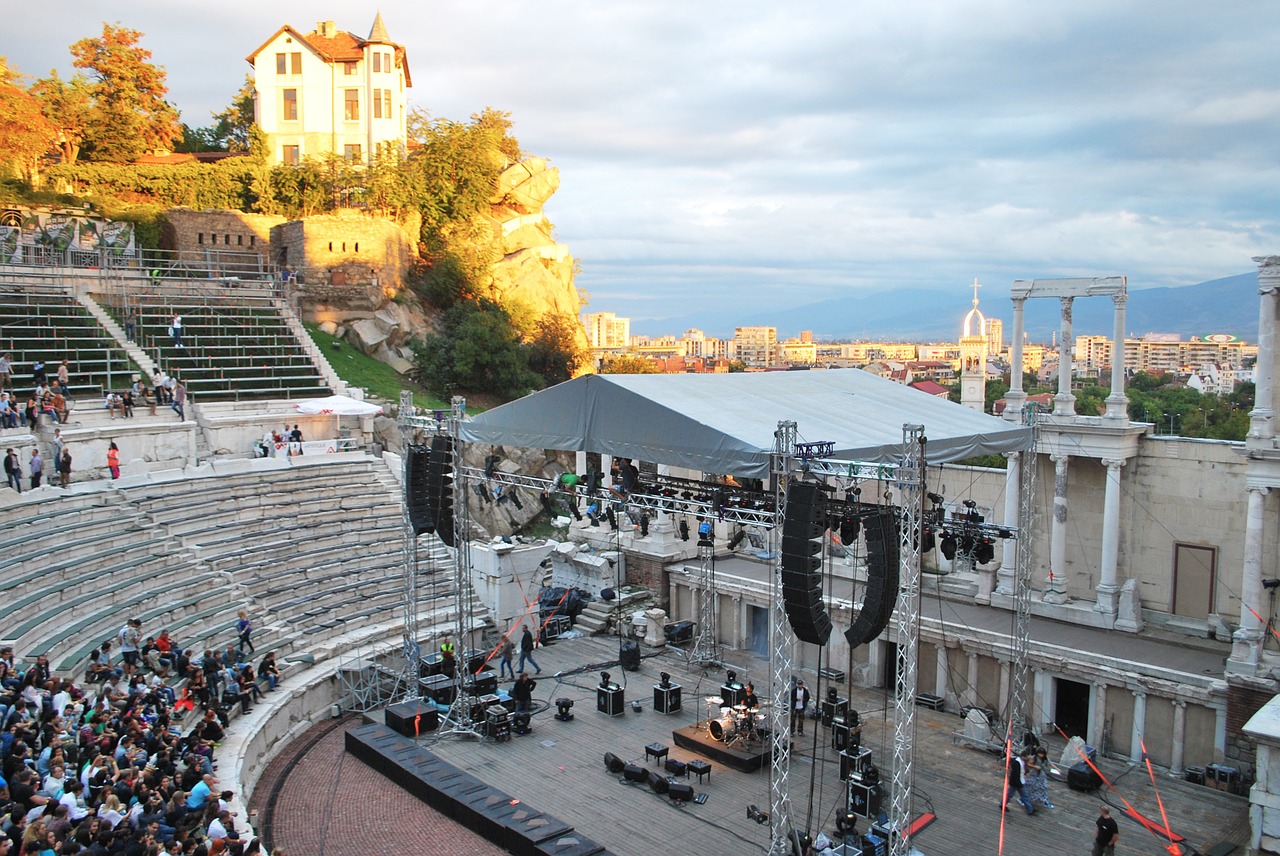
[{"x": 727, "y": 158}]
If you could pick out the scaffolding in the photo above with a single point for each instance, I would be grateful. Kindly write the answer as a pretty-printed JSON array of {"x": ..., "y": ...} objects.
[
  {"x": 705, "y": 651},
  {"x": 1020, "y": 723},
  {"x": 368, "y": 680},
  {"x": 781, "y": 653}
]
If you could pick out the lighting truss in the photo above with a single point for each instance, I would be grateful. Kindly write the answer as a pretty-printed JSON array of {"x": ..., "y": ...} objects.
[
  {"x": 705, "y": 650},
  {"x": 1019, "y": 696},
  {"x": 781, "y": 653}
]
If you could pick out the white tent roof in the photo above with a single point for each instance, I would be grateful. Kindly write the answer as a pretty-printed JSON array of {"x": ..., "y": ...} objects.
[
  {"x": 340, "y": 405},
  {"x": 724, "y": 423}
]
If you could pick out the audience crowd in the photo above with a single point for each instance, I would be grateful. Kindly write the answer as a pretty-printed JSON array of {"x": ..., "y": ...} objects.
[{"x": 124, "y": 760}]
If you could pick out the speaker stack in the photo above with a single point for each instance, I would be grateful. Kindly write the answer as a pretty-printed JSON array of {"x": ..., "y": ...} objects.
[
  {"x": 415, "y": 489},
  {"x": 802, "y": 564},
  {"x": 440, "y": 487},
  {"x": 881, "y": 592}
]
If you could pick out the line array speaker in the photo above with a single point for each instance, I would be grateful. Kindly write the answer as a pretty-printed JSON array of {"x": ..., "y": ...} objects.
[
  {"x": 881, "y": 592},
  {"x": 440, "y": 487},
  {"x": 802, "y": 564},
  {"x": 415, "y": 490}
]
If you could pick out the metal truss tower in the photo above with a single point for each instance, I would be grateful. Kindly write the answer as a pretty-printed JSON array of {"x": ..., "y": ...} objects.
[
  {"x": 409, "y": 568},
  {"x": 911, "y": 479},
  {"x": 705, "y": 651},
  {"x": 781, "y": 653},
  {"x": 1020, "y": 721}
]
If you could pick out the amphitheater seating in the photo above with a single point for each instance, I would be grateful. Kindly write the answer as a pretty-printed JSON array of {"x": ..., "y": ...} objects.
[
  {"x": 235, "y": 342},
  {"x": 311, "y": 551},
  {"x": 45, "y": 322}
]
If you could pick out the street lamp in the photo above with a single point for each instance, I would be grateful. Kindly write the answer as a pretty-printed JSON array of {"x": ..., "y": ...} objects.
[{"x": 1173, "y": 417}]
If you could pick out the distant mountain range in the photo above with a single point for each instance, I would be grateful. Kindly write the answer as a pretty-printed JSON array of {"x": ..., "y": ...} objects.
[{"x": 1227, "y": 305}]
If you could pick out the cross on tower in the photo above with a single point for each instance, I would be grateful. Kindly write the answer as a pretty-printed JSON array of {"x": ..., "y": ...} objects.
[{"x": 976, "y": 286}]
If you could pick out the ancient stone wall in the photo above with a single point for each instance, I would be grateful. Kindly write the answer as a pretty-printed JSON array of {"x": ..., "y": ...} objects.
[{"x": 188, "y": 230}]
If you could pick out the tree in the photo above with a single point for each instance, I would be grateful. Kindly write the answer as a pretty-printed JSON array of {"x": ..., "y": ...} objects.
[
  {"x": 499, "y": 121},
  {"x": 231, "y": 126},
  {"x": 628, "y": 364},
  {"x": 555, "y": 351},
  {"x": 68, "y": 106},
  {"x": 130, "y": 115},
  {"x": 478, "y": 350},
  {"x": 25, "y": 135}
]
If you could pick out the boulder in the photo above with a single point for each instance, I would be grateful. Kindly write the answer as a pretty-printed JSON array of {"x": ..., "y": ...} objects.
[
  {"x": 526, "y": 186},
  {"x": 367, "y": 335}
]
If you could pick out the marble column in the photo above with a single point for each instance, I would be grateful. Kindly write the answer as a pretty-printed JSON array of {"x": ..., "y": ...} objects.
[
  {"x": 1098, "y": 723},
  {"x": 1057, "y": 592},
  {"x": 1108, "y": 587},
  {"x": 971, "y": 679},
  {"x": 1064, "y": 403},
  {"x": 1006, "y": 676},
  {"x": 1179, "y": 737},
  {"x": 1262, "y": 417},
  {"x": 1139, "y": 726},
  {"x": 1247, "y": 641},
  {"x": 1117, "y": 401},
  {"x": 942, "y": 673},
  {"x": 1012, "y": 508},
  {"x": 1014, "y": 398}
]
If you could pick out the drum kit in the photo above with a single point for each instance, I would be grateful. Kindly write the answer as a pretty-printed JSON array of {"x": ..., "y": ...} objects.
[{"x": 736, "y": 723}]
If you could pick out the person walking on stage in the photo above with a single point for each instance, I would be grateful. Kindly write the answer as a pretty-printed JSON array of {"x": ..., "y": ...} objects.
[
  {"x": 522, "y": 692},
  {"x": 1104, "y": 843},
  {"x": 506, "y": 654},
  {"x": 1017, "y": 774},
  {"x": 799, "y": 706},
  {"x": 526, "y": 651}
]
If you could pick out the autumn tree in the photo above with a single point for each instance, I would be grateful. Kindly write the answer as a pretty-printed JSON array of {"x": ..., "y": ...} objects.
[
  {"x": 25, "y": 135},
  {"x": 555, "y": 350},
  {"x": 629, "y": 364},
  {"x": 130, "y": 116},
  {"x": 231, "y": 128},
  {"x": 67, "y": 106}
]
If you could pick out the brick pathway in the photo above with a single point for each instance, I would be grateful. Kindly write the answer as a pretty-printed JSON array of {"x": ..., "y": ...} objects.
[{"x": 331, "y": 804}]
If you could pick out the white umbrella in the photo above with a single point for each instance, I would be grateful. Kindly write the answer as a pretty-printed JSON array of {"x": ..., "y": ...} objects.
[{"x": 338, "y": 405}]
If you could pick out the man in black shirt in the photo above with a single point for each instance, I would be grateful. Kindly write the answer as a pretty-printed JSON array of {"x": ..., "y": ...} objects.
[{"x": 1104, "y": 843}]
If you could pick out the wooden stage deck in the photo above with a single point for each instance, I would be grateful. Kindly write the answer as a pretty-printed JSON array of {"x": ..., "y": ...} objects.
[{"x": 558, "y": 768}]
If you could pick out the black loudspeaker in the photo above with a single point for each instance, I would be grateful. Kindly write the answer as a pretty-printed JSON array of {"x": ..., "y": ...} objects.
[
  {"x": 802, "y": 564},
  {"x": 635, "y": 773},
  {"x": 658, "y": 783},
  {"x": 614, "y": 763},
  {"x": 1081, "y": 777},
  {"x": 440, "y": 487},
  {"x": 881, "y": 592},
  {"x": 412, "y": 718},
  {"x": 415, "y": 490},
  {"x": 680, "y": 791},
  {"x": 629, "y": 656}
]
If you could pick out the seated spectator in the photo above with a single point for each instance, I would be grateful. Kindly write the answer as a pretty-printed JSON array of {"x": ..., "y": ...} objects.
[
  {"x": 113, "y": 403},
  {"x": 8, "y": 411},
  {"x": 126, "y": 402},
  {"x": 201, "y": 793},
  {"x": 248, "y": 689},
  {"x": 269, "y": 670}
]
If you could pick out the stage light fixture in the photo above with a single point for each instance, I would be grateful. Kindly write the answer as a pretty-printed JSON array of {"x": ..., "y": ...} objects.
[
  {"x": 936, "y": 498},
  {"x": 730, "y": 676},
  {"x": 491, "y": 465},
  {"x": 612, "y": 518},
  {"x": 760, "y": 817},
  {"x": 705, "y": 538},
  {"x": 684, "y": 530},
  {"x": 948, "y": 545},
  {"x": 970, "y": 504},
  {"x": 1271, "y": 583},
  {"x": 985, "y": 552},
  {"x": 520, "y": 723},
  {"x": 604, "y": 679},
  {"x": 563, "y": 705},
  {"x": 664, "y": 680},
  {"x": 737, "y": 539}
]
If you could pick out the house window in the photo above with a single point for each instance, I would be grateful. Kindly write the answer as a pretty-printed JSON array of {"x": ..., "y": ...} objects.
[
  {"x": 282, "y": 66},
  {"x": 377, "y": 102},
  {"x": 199, "y": 237},
  {"x": 290, "y": 105},
  {"x": 226, "y": 239},
  {"x": 213, "y": 238},
  {"x": 386, "y": 103},
  {"x": 295, "y": 59},
  {"x": 290, "y": 155},
  {"x": 253, "y": 240},
  {"x": 377, "y": 62},
  {"x": 239, "y": 240},
  {"x": 386, "y": 62},
  {"x": 349, "y": 68},
  {"x": 351, "y": 153},
  {"x": 351, "y": 105}
]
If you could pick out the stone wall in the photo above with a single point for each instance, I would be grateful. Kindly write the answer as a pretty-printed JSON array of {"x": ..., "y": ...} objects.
[
  {"x": 649, "y": 572},
  {"x": 189, "y": 231},
  {"x": 1243, "y": 701},
  {"x": 348, "y": 263}
]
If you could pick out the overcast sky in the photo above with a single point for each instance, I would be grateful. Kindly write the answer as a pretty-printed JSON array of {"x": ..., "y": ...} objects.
[{"x": 721, "y": 156}]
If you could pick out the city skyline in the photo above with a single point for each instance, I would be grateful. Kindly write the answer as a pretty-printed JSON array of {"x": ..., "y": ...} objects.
[{"x": 767, "y": 157}]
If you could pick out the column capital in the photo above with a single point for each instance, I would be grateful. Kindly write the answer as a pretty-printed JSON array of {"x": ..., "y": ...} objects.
[
  {"x": 1258, "y": 489},
  {"x": 1139, "y": 692},
  {"x": 1059, "y": 459},
  {"x": 1114, "y": 463},
  {"x": 1119, "y": 299},
  {"x": 1180, "y": 704}
]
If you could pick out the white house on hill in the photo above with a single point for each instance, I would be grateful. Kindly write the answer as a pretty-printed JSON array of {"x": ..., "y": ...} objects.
[{"x": 330, "y": 91}]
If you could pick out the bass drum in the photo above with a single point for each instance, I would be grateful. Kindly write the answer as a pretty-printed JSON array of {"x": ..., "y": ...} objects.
[{"x": 723, "y": 728}]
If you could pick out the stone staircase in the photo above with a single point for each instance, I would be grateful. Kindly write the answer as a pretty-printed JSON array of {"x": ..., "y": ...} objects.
[{"x": 602, "y": 616}]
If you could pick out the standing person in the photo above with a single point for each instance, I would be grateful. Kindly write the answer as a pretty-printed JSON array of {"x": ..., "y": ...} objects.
[
  {"x": 526, "y": 651},
  {"x": 175, "y": 330},
  {"x": 508, "y": 652},
  {"x": 799, "y": 706},
  {"x": 6, "y": 371},
  {"x": 64, "y": 376},
  {"x": 522, "y": 692},
  {"x": 1017, "y": 774},
  {"x": 58, "y": 445},
  {"x": 1104, "y": 843},
  {"x": 1037, "y": 783},
  {"x": 245, "y": 629},
  {"x": 295, "y": 436},
  {"x": 130, "y": 637},
  {"x": 64, "y": 468},
  {"x": 180, "y": 400},
  {"x": 13, "y": 470},
  {"x": 113, "y": 460},
  {"x": 37, "y": 468},
  {"x": 130, "y": 324}
]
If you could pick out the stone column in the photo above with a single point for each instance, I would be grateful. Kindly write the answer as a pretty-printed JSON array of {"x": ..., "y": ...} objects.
[
  {"x": 1108, "y": 587},
  {"x": 1012, "y": 508},
  {"x": 1064, "y": 403},
  {"x": 971, "y": 678},
  {"x": 1261, "y": 418},
  {"x": 1005, "y": 678},
  {"x": 1246, "y": 643},
  {"x": 1179, "y": 737},
  {"x": 1139, "y": 726},
  {"x": 942, "y": 679},
  {"x": 1098, "y": 723},
  {"x": 1117, "y": 401},
  {"x": 1057, "y": 592},
  {"x": 1014, "y": 398}
]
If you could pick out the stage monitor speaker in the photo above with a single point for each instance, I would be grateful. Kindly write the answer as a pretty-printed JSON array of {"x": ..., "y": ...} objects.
[
  {"x": 614, "y": 763},
  {"x": 629, "y": 656},
  {"x": 802, "y": 564},
  {"x": 635, "y": 773},
  {"x": 881, "y": 591},
  {"x": 680, "y": 791},
  {"x": 440, "y": 487},
  {"x": 421, "y": 517},
  {"x": 658, "y": 783}
]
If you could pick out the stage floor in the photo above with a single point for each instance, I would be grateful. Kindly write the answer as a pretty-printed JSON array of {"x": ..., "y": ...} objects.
[{"x": 559, "y": 769}]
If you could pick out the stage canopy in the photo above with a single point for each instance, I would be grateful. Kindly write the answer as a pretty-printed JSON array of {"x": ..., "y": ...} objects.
[
  {"x": 724, "y": 423},
  {"x": 339, "y": 405}
]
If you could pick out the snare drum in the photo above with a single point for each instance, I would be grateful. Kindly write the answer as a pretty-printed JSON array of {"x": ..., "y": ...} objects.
[{"x": 723, "y": 728}]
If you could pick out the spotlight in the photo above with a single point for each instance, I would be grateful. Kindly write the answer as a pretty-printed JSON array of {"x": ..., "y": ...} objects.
[
  {"x": 849, "y": 529},
  {"x": 515, "y": 499},
  {"x": 730, "y": 676},
  {"x": 984, "y": 552},
  {"x": 948, "y": 545},
  {"x": 612, "y": 518},
  {"x": 760, "y": 817},
  {"x": 664, "y": 680},
  {"x": 705, "y": 537},
  {"x": 684, "y": 530},
  {"x": 1272, "y": 583},
  {"x": 970, "y": 504},
  {"x": 520, "y": 723},
  {"x": 635, "y": 707},
  {"x": 936, "y": 498},
  {"x": 563, "y": 705},
  {"x": 737, "y": 539},
  {"x": 604, "y": 679},
  {"x": 491, "y": 465}
]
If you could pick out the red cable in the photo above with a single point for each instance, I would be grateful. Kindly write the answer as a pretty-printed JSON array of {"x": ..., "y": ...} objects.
[
  {"x": 1173, "y": 849},
  {"x": 1004, "y": 802}
]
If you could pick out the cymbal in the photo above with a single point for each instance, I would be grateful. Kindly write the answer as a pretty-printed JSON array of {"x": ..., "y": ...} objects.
[
  {"x": 714, "y": 699},
  {"x": 740, "y": 707}
]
